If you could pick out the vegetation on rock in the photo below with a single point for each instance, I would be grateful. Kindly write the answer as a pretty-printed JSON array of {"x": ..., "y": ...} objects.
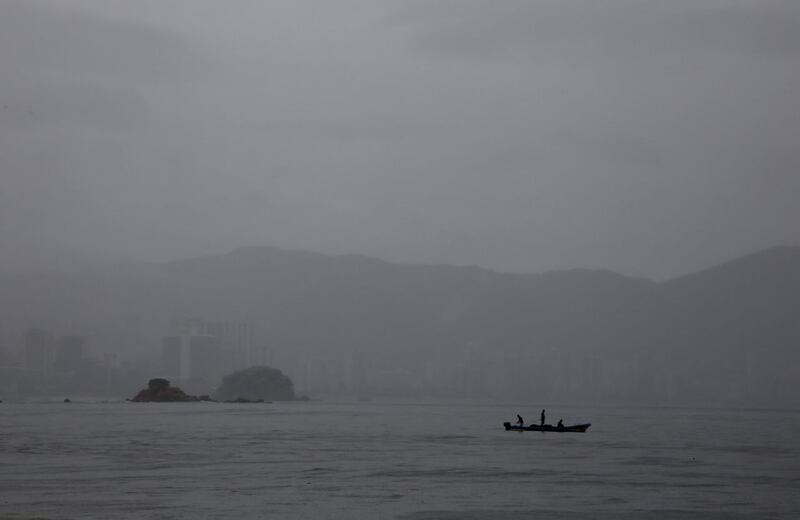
[{"x": 254, "y": 384}]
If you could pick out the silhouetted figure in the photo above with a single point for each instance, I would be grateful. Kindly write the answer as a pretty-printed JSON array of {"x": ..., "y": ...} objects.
[
  {"x": 542, "y": 417},
  {"x": 520, "y": 421},
  {"x": 560, "y": 423}
]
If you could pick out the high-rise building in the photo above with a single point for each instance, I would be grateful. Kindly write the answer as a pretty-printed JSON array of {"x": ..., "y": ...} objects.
[
  {"x": 172, "y": 357},
  {"x": 39, "y": 352},
  {"x": 205, "y": 357},
  {"x": 71, "y": 353},
  {"x": 260, "y": 356},
  {"x": 235, "y": 339}
]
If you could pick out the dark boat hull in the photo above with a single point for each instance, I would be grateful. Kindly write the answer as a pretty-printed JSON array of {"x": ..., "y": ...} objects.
[{"x": 576, "y": 428}]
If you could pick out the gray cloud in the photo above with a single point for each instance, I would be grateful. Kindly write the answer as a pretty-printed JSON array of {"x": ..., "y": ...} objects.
[
  {"x": 650, "y": 138},
  {"x": 49, "y": 40},
  {"x": 613, "y": 30}
]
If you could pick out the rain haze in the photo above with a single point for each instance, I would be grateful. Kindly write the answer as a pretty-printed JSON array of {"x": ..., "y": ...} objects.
[
  {"x": 300, "y": 259},
  {"x": 650, "y": 138}
]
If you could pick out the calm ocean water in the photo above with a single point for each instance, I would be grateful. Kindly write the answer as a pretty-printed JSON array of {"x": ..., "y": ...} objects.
[{"x": 379, "y": 460}]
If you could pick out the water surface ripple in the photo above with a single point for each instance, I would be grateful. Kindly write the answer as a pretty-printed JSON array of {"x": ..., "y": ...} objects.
[{"x": 392, "y": 460}]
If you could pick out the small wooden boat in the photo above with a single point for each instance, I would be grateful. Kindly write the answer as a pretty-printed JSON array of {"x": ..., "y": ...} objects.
[{"x": 546, "y": 428}]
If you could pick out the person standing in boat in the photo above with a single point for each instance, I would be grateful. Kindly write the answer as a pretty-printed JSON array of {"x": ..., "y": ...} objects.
[
  {"x": 542, "y": 417},
  {"x": 520, "y": 421},
  {"x": 560, "y": 423}
]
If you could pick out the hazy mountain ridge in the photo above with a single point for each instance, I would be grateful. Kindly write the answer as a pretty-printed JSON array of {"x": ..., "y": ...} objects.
[{"x": 569, "y": 335}]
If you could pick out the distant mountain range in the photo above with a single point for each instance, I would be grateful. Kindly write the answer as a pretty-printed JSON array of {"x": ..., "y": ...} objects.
[{"x": 353, "y": 324}]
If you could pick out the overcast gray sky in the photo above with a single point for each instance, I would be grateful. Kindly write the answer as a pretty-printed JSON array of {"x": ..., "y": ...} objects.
[{"x": 651, "y": 138}]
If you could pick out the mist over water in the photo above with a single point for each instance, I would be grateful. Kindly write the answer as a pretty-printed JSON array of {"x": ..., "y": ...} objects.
[
  {"x": 404, "y": 223},
  {"x": 356, "y": 327},
  {"x": 393, "y": 460}
]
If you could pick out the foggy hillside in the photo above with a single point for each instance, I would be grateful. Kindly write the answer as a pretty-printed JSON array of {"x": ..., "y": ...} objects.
[{"x": 565, "y": 336}]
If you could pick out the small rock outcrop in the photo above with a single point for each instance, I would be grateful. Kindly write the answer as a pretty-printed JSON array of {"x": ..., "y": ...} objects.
[
  {"x": 244, "y": 400},
  {"x": 160, "y": 390}
]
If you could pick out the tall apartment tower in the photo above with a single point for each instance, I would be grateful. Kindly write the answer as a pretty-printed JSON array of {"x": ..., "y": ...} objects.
[
  {"x": 235, "y": 339},
  {"x": 173, "y": 358},
  {"x": 39, "y": 351},
  {"x": 71, "y": 352}
]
